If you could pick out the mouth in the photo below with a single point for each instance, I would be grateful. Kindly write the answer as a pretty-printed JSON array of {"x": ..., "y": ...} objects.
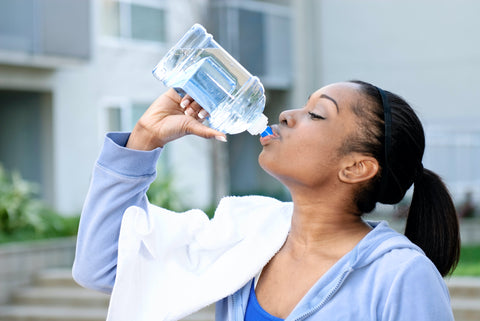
[{"x": 267, "y": 139}]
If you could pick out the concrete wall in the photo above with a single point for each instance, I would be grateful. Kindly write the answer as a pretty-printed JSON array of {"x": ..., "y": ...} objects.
[{"x": 20, "y": 261}]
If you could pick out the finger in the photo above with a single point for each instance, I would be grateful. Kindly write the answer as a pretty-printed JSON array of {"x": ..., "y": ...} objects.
[
  {"x": 191, "y": 112},
  {"x": 173, "y": 94},
  {"x": 185, "y": 102},
  {"x": 202, "y": 114},
  {"x": 195, "y": 106}
]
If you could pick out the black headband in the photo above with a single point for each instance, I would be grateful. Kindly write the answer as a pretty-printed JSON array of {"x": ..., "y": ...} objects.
[
  {"x": 387, "y": 114},
  {"x": 390, "y": 194}
]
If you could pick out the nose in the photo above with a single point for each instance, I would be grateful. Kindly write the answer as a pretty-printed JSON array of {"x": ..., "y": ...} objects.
[{"x": 287, "y": 118}]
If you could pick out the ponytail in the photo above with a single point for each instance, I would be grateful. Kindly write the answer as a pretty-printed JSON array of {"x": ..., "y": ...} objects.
[
  {"x": 390, "y": 131},
  {"x": 432, "y": 221}
]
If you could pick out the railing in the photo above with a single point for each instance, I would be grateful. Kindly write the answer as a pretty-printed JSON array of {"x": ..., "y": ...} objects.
[{"x": 453, "y": 152}]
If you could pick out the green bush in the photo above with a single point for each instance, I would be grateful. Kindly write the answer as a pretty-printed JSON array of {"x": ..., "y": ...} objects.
[
  {"x": 162, "y": 193},
  {"x": 23, "y": 216}
]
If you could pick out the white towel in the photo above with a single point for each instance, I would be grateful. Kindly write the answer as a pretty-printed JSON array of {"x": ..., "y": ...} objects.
[{"x": 173, "y": 264}]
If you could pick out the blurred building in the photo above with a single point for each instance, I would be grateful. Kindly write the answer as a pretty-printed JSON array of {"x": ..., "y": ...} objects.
[
  {"x": 70, "y": 70},
  {"x": 426, "y": 51}
]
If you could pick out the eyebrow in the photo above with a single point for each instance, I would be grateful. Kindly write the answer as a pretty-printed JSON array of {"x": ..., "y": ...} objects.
[{"x": 331, "y": 99}]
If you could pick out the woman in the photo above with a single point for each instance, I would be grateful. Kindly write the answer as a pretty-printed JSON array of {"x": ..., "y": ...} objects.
[{"x": 352, "y": 145}]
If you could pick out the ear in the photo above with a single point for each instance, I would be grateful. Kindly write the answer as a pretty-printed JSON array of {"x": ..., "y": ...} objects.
[{"x": 357, "y": 168}]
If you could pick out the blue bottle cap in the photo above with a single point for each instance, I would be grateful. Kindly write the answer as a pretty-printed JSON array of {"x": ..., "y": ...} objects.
[{"x": 268, "y": 131}]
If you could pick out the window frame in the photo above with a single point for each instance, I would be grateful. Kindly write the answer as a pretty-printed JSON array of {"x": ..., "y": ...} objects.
[
  {"x": 229, "y": 36},
  {"x": 125, "y": 26},
  {"x": 125, "y": 105}
]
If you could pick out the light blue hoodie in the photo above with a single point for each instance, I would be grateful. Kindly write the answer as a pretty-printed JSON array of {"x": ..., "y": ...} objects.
[{"x": 385, "y": 277}]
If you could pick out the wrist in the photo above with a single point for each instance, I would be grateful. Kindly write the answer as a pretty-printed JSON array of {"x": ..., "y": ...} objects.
[{"x": 142, "y": 139}]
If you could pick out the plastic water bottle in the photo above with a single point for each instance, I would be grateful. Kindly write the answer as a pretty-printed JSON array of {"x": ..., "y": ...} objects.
[{"x": 198, "y": 66}]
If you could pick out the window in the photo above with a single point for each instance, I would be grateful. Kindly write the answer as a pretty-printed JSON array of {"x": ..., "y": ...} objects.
[
  {"x": 120, "y": 114},
  {"x": 26, "y": 138},
  {"x": 136, "y": 20},
  {"x": 46, "y": 28},
  {"x": 114, "y": 119},
  {"x": 258, "y": 35}
]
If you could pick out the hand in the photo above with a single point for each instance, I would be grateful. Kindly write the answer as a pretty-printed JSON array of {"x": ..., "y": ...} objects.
[{"x": 166, "y": 120}]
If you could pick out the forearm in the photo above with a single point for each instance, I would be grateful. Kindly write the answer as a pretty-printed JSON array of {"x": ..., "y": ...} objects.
[{"x": 120, "y": 179}]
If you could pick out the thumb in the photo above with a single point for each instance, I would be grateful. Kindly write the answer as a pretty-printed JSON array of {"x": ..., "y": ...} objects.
[{"x": 199, "y": 129}]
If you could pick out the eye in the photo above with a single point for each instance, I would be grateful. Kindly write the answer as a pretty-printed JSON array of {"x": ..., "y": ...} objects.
[{"x": 315, "y": 116}]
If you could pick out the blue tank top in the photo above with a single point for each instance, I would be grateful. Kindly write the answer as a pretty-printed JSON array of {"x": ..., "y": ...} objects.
[{"x": 254, "y": 311}]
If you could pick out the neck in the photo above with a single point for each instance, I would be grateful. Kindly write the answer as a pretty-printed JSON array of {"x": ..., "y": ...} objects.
[{"x": 322, "y": 227}]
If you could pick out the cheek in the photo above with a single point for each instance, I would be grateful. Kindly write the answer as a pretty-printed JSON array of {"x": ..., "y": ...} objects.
[
  {"x": 307, "y": 160},
  {"x": 316, "y": 158},
  {"x": 315, "y": 151}
]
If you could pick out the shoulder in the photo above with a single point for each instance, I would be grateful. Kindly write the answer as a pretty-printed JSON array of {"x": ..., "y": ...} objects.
[
  {"x": 403, "y": 284},
  {"x": 396, "y": 258},
  {"x": 412, "y": 287},
  {"x": 398, "y": 268},
  {"x": 407, "y": 263},
  {"x": 416, "y": 289}
]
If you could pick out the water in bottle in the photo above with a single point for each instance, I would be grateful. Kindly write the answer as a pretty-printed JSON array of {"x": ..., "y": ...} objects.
[{"x": 197, "y": 65}]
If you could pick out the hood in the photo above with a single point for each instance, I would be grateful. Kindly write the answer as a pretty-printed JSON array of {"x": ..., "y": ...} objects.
[{"x": 381, "y": 240}]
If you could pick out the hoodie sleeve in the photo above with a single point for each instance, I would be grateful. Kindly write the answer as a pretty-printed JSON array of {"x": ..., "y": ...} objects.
[
  {"x": 120, "y": 179},
  {"x": 418, "y": 293}
]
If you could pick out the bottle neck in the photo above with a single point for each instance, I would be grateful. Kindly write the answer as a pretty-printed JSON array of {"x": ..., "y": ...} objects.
[{"x": 258, "y": 125}]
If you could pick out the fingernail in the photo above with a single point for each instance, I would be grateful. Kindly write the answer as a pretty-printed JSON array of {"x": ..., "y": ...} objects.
[
  {"x": 185, "y": 103},
  {"x": 221, "y": 138},
  {"x": 202, "y": 114}
]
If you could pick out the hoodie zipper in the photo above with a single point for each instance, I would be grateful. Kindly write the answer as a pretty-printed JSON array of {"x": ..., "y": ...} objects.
[
  {"x": 236, "y": 308},
  {"x": 233, "y": 308},
  {"x": 328, "y": 297}
]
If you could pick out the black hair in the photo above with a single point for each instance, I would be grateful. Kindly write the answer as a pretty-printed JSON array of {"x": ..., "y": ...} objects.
[{"x": 432, "y": 221}]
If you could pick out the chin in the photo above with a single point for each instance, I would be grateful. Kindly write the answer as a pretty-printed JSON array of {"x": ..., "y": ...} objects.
[
  {"x": 262, "y": 160},
  {"x": 267, "y": 163}
]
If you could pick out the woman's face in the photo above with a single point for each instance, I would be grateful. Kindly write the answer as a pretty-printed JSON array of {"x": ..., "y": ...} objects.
[{"x": 305, "y": 148}]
